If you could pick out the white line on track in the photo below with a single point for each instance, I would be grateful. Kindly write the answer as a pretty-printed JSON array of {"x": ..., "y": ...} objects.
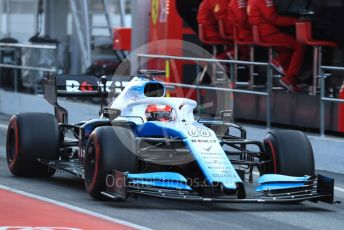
[
  {"x": 339, "y": 189},
  {"x": 74, "y": 208}
]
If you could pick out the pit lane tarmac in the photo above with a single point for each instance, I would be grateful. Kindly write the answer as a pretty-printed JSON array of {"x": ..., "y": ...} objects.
[{"x": 163, "y": 214}]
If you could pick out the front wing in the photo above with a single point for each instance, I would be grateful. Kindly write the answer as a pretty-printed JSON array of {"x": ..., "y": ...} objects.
[{"x": 120, "y": 186}]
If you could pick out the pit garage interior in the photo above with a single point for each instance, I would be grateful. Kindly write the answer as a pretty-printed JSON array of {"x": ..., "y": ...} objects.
[{"x": 93, "y": 37}]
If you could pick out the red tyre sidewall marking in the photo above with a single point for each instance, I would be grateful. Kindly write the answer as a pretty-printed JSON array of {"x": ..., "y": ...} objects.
[
  {"x": 273, "y": 152},
  {"x": 97, "y": 161},
  {"x": 13, "y": 125}
]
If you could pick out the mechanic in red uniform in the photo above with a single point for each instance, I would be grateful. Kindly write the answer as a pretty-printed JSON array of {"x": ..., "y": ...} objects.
[
  {"x": 263, "y": 13},
  {"x": 209, "y": 14},
  {"x": 237, "y": 16}
]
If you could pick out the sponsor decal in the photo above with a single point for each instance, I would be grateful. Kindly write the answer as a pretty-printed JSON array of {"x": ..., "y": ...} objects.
[
  {"x": 215, "y": 158},
  {"x": 208, "y": 148},
  {"x": 203, "y": 141},
  {"x": 75, "y": 86},
  {"x": 193, "y": 133},
  {"x": 86, "y": 86},
  {"x": 164, "y": 7},
  {"x": 199, "y": 132}
]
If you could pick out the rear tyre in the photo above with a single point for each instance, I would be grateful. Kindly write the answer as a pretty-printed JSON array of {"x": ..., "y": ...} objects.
[
  {"x": 290, "y": 153},
  {"x": 31, "y": 136},
  {"x": 108, "y": 148}
]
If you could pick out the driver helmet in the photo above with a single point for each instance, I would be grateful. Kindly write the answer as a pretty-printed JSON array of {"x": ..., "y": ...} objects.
[{"x": 159, "y": 113}]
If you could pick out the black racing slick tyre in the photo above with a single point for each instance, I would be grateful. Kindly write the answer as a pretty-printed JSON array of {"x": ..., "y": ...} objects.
[
  {"x": 31, "y": 136},
  {"x": 290, "y": 153},
  {"x": 108, "y": 148}
]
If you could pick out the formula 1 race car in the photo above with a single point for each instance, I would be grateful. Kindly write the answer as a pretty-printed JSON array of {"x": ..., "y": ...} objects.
[{"x": 144, "y": 143}]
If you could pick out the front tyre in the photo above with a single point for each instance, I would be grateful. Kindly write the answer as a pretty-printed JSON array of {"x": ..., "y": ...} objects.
[
  {"x": 31, "y": 136},
  {"x": 108, "y": 148},
  {"x": 290, "y": 153}
]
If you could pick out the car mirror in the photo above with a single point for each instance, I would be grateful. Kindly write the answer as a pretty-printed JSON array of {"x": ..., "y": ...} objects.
[{"x": 111, "y": 113}]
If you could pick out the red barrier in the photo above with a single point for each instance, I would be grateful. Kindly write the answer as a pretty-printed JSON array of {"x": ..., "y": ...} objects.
[
  {"x": 122, "y": 39},
  {"x": 341, "y": 111}
]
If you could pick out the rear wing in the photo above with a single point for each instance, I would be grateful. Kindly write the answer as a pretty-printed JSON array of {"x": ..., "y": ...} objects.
[{"x": 81, "y": 86}]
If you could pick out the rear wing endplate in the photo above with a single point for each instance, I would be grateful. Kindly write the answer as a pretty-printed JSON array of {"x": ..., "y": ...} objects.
[{"x": 81, "y": 86}]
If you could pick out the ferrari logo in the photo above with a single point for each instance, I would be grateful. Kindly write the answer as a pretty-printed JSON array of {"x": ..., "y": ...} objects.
[
  {"x": 155, "y": 11},
  {"x": 217, "y": 8}
]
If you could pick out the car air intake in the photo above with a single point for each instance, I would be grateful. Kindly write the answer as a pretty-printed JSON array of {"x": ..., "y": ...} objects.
[{"x": 154, "y": 89}]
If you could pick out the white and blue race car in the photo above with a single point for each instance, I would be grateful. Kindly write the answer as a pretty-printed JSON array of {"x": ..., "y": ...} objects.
[{"x": 144, "y": 143}]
